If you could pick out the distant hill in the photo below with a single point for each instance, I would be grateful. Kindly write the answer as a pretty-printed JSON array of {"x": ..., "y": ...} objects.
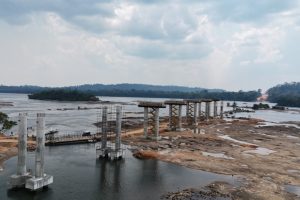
[
  {"x": 25, "y": 89},
  {"x": 101, "y": 87},
  {"x": 142, "y": 90},
  {"x": 287, "y": 94},
  {"x": 141, "y": 87}
]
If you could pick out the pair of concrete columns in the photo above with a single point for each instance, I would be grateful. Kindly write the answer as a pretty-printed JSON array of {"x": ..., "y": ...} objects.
[
  {"x": 104, "y": 151},
  {"x": 40, "y": 179},
  {"x": 151, "y": 118}
]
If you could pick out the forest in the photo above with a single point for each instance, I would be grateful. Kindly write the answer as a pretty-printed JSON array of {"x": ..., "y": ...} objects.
[
  {"x": 75, "y": 95},
  {"x": 287, "y": 94},
  {"x": 230, "y": 96},
  {"x": 63, "y": 95}
]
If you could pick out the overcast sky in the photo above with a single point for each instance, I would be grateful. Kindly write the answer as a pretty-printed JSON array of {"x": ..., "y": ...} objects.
[{"x": 228, "y": 44}]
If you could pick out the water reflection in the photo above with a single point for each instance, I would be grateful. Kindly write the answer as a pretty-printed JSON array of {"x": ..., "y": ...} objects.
[
  {"x": 22, "y": 193},
  {"x": 110, "y": 174},
  {"x": 79, "y": 175}
]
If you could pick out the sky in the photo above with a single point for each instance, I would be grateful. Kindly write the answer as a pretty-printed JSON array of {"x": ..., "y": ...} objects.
[{"x": 229, "y": 44}]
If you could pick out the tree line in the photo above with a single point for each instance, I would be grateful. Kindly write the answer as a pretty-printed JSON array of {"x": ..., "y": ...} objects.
[
  {"x": 63, "y": 95},
  {"x": 230, "y": 96},
  {"x": 74, "y": 95},
  {"x": 287, "y": 94}
]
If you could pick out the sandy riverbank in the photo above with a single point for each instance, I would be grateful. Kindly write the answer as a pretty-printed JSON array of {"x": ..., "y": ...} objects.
[
  {"x": 9, "y": 148},
  {"x": 267, "y": 157}
]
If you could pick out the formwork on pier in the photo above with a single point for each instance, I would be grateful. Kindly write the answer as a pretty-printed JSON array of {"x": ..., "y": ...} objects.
[
  {"x": 175, "y": 114},
  {"x": 151, "y": 118},
  {"x": 191, "y": 111},
  {"x": 110, "y": 127},
  {"x": 207, "y": 107}
]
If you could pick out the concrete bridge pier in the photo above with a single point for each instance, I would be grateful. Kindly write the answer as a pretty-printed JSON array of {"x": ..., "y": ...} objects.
[
  {"x": 146, "y": 113},
  {"x": 191, "y": 112},
  {"x": 108, "y": 150},
  {"x": 102, "y": 152},
  {"x": 207, "y": 110},
  {"x": 222, "y": 110},
  {"x": 19, "y": 179},
  {"x": 199, "y": 110},
  {"x": 40, "y": 179},
  {"x": 175, "y": 114},
  {"x": 215, "y": 108},
  {"x": 180, "y": 118},
  {"x": 118, "y": 151},
  {"x": 151, "y": 119}
]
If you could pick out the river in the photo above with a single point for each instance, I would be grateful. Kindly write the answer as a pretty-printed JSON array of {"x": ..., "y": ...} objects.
[{"x": 78, "y": 175}]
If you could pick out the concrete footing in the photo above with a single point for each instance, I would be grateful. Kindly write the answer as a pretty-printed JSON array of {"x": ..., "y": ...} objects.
[
  {"x": 110, "y": 153},
  {"x": 36, "y": 183},
  {"x": 19, "y": 181}
]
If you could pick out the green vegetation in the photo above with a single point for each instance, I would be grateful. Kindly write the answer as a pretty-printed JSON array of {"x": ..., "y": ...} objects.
[
  {"x": 63, "y": 95},
  {"x": 287, "y": 94},
  {"x": 231, "y": 96},
  {"x": 133, "y": 90},
  {"x": 5, "y": 123},
  {"x": 260, "y": 106}
]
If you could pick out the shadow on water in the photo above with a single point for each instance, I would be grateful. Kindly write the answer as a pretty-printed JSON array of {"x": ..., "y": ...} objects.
[
  {"x": 22, "y": 193},
  {"x": 79, "y": 175},
  {"x": 109, "y": 177}
]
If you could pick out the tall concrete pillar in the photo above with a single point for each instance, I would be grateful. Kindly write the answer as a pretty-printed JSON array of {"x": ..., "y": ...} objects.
[
  {"x": 195, "y": 114},
  {"x": 187, "y": 112},
  {"x": 118, "y": 127},
  {"x": 170, "y": 116},
  {"x": 180, "y": 117},
  {"x": 199, "y": 110},
  {"x": 215, "y": 109},
  {"x": 40, "y": 149},
  {"x": 145, "y": 122},
  {"x": 207, "y": 110},
  {"x": 22, "y": 144},
  {"x": 104, "y": 128},
  {"x": 40, "y": 179},
  {"x": 19, "y": 179},
  {"x": 222, "y": 109},
  {"x": 156, "y": 123}
]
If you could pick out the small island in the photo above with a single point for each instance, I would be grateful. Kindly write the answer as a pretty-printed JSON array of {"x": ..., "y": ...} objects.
[{"x": 63, "y": 95}]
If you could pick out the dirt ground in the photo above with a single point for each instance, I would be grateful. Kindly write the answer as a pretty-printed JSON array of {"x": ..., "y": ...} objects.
[
  {"x": 9, "y": 148},
  {"x": 267, "y": 157}
]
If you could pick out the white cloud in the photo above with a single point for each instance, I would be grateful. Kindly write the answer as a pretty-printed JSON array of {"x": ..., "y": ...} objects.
[{"x": 207, "y": 44}]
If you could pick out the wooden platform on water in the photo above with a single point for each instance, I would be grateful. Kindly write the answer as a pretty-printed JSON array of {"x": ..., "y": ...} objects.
[{"x": 67, "y": 140}]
